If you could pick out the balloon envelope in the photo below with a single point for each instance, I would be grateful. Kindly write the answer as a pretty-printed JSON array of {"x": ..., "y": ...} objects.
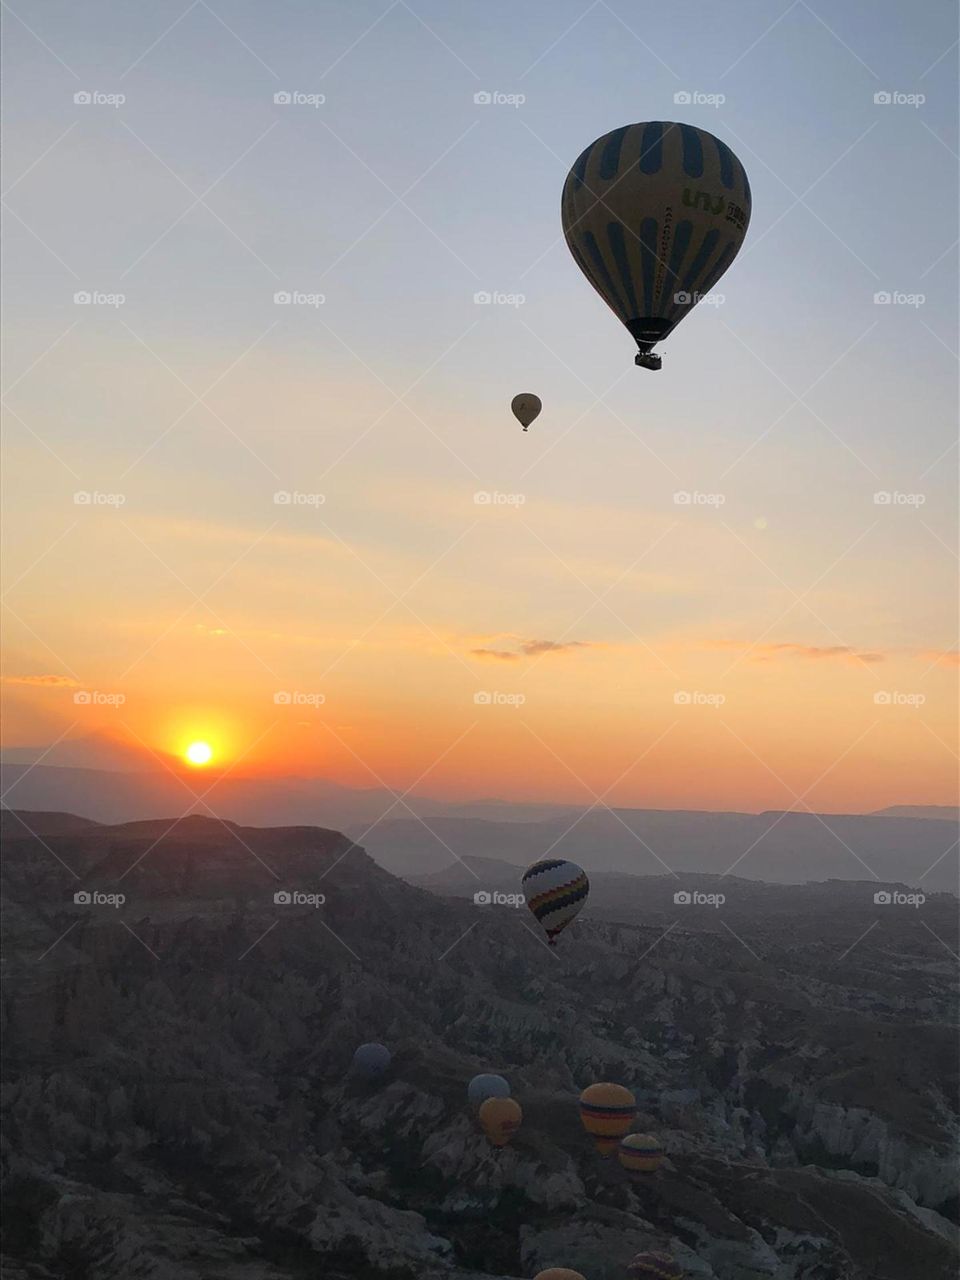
[
  {"x": 559, "y": 1273},
  {"x": 487, "y": 1086},
  {"x": 526, "y": 407},
  {"x": 555, "y": 891},
  {"x": 500, "y": 1119},
  {"x": 607, "y": 1111},
  {"x": 641, "y": 1154},
  {"x": 660, "y": 1265},
  {"x": 372, "y": 1059},
  {"x": 653, "y": 214}
]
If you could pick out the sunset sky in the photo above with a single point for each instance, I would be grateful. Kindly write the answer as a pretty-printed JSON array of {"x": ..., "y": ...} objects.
[{"x": 790, "y": 641}]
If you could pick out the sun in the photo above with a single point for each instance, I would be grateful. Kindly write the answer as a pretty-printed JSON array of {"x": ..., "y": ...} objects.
[{"x": 199, "y": 753}]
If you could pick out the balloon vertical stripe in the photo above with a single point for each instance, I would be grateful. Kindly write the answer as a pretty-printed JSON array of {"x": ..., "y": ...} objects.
[
  {"x": 692, "y": 152},
  {"x": 610, "y": 155},
  {"x": 618, "y": 247},
  {"x": 651, "y": 151}
]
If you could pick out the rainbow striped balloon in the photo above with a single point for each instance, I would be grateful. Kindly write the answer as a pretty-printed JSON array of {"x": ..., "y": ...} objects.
[
  {"x": 607, "y": 1111},
  {"x": 555, "y": 891},
  {"x": 653, "y": 214},
  {"x": 641, "y": 1154}
]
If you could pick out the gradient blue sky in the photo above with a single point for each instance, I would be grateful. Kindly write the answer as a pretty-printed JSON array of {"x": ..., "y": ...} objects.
[{"x": 398, "y": 199}]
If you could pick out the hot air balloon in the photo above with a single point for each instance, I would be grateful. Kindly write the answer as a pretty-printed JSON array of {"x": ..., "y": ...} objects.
[
  {"x": 372, "y": 1060},
  {"x": 500, "y": 1119},
  {"x": 653, "y": 214},
  {"x": 640, "y": 1154},
  {"x": 526, "y": 407},
  {"x": 487, "y": 1086},
  {"x": 607, "y": 1112},
  {"x": 559, "y": 1273},
  {"x": 555, "y": 891},
  {"x": 660, "y": 1265}
]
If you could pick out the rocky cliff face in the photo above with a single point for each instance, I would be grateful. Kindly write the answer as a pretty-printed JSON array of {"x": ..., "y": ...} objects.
[{"x": 179, "y": 1103}]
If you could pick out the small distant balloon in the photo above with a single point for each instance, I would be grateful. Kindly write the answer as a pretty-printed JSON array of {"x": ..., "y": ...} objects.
[
  {"x": 500, "y": 1119},
  {"x": 641, "y": 1154},
  {"x": 660, "y": 1265},
  {"x": 559, "y": 1273},
  {"x": 526, "y": 407},
  {"x": 556, "y": 891},
  {"x": 485, "y": 1086},
  {"x": 372, "y": 1060},
  {"x": 607, "y": 1111}
]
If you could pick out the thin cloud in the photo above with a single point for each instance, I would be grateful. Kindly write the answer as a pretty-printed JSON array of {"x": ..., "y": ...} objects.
[
  {"x": 43, "y": 682},
  {"x": 810, "y": 652},
  {"x": 532, "y": 649}
]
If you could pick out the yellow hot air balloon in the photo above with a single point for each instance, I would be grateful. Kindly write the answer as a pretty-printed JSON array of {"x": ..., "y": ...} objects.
[
  {"x": 559, "y": 1273},
  {"x": 653, "y": 214},
  {"x": 526, "y": 407},
  {"x": 607, "y": 1112},
  {"x": 641, "y": 1154},
  {"x": 500, "y": 1119}
]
